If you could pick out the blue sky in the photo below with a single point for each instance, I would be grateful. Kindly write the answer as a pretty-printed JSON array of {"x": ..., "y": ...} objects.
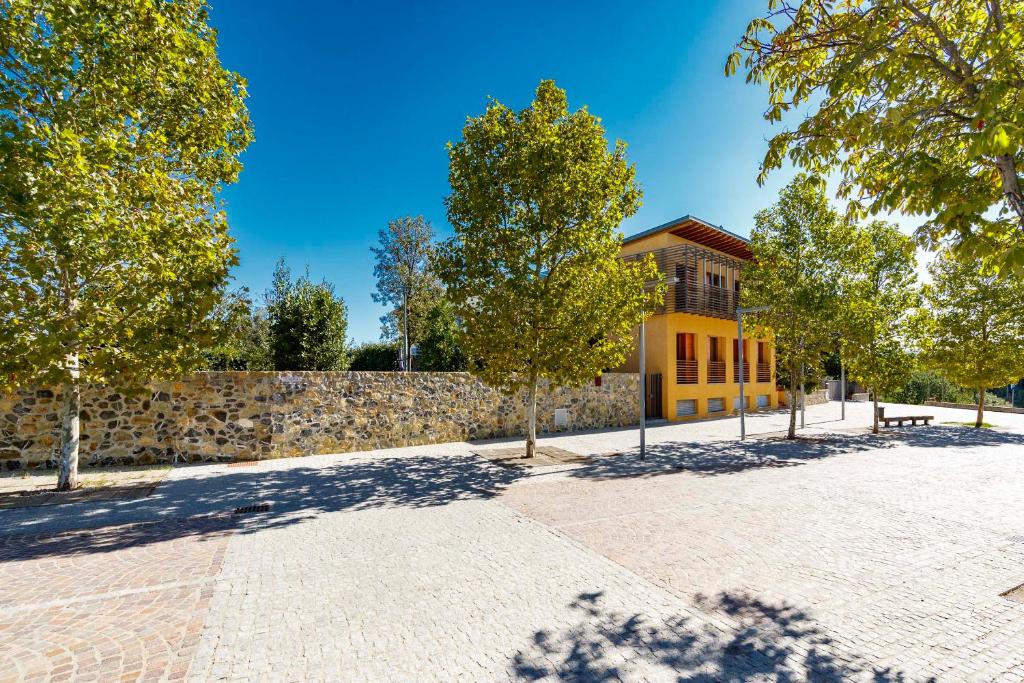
[{"x": 353, "y": 104}]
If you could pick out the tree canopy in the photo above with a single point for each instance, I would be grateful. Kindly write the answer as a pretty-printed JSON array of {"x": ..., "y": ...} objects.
[
  {"x": 879, "y": 295},
  {"x": 798, "y": 245},
  {"x": 974, "y": 325},
  {"x": 917, "y": 104},
  {"x": 533, "y": 269},
  {"x": 404, "y": 278},
  {"x": 308, "y": 323},
  {"x": 118, "y": 128}
]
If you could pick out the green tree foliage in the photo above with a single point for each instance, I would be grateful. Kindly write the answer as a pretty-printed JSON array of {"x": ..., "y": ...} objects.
[
  {"x": 404, "y": 277},
  {"x": 925, "y": 385},
  {"x": 879, "y": 296},
  {"x": 975, "y": 325},
  {"x": 243, "y": 335},
  {"x": 533, "y": 270},
  {"x": 381, "y": 356},
  {"x": 916, "y": 103},
  {"x": 118, "y": 127},
  {"x": 422, "y": 301},
  {"x": 798, "y": 245},
  {"x": 439, "y": 349},
  {"x": 307, "y": 323}
]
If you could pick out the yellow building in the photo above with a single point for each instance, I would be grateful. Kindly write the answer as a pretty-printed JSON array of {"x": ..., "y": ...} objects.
[{"x": 692, "y": 344}]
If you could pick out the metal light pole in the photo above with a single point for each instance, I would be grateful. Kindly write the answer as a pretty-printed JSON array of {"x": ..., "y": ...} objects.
[
  {"x": 803, "y": 400},
  {"x": 643, "y": 372},
  {"x": 842, "y": 384},
  {"x": 739, "y": 343}
]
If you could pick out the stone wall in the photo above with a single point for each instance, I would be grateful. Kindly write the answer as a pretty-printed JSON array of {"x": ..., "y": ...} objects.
[
  {"x": 814, "y": 398},
  {"x": 228, "y": 416},
  {"x": 974, "y": 407}
]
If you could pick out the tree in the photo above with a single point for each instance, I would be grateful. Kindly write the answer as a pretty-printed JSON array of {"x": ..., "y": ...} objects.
[
  {"x": 307, "y": 323},
  {"x": 118, "y": 127},
  {"x": 402, "y": 269},
  {"x": 379, "y": 356},
  {"x": 975, "y": 323},
  {"x": 243, "y": 335},
  {"x": 798, "y": 245},
  {"x": 533, "y": 270},
  {"x": 413, "y": 315},
  {"x": 879, "y": 294},
  {"x": 916, "y": 103},
  {"x": 439, "y": 349}
]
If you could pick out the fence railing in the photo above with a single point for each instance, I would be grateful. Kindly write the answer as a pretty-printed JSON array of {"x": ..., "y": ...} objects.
[
  {"x": 716, "y": 372},
  {"x": 764, "y": 372},
  {"x": 736, "y": 372},
  {"x": 686, "y": 372},
  {"x": 700, "y": 280}
]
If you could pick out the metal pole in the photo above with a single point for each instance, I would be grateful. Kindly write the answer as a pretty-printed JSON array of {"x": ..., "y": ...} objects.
[
  {"x": 803, "y": 403},
  {"x": 842, "y": 384},
  {"x": 643, "y": 392},
  {"x": 743, "y": 404}
]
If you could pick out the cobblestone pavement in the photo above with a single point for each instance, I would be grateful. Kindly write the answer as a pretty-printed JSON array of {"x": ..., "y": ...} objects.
[{"x": 843, "y": 557}]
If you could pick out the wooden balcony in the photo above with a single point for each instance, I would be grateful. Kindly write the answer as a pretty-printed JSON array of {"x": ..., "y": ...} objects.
[
  {"x": 707, "y": 281},
  {"x": 716, "y": 372},
  {"x": 686, "y": 372},
  {"x": 764, "y": 372},
  {"x": 736, "y": 372}
]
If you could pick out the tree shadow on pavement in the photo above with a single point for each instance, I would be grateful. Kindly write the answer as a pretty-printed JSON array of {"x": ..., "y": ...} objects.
[
  {"x": 712, "y": 458},
  {"x": 755, "y": 641},
  {"x": 294, "y": 494}
]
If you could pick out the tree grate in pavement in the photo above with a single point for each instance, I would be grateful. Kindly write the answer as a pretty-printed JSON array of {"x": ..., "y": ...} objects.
[{"x": 249, "y": 509}]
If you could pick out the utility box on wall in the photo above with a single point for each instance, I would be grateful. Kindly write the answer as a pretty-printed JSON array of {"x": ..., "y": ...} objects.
[{"x": 561, "y": 418}]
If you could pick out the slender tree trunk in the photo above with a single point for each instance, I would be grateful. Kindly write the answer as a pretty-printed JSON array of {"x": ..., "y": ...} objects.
[
  {"x": 1011, "y": 186},
  {"x": 67, "y": 472},
  {"x": 531, "y": 418},
  {"x": 791, "y": 434},
  {"x": 981, "y": 408},
  {"x": 874, "y": 418},
  {"x": 405, "y": 333}
]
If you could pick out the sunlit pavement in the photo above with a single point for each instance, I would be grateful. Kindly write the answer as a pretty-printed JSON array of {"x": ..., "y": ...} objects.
[{"x": 842, "y": 556}]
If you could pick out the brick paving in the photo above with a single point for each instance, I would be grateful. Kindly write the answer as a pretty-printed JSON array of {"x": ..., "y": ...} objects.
[
  {"x": 118, "y": 603},
  {"x": 842, "y": 557}
]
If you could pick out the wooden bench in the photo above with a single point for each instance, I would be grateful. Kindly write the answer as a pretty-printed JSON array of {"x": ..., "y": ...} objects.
[{"x": 911, "y": 418}]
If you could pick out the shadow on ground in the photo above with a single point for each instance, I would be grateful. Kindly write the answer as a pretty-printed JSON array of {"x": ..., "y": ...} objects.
[
  {"x": 765, "y": 643},
  {"x": 299, "y": 493},
  {"x": 730, "y": 457},
  {"x": 294, "y": 494}
]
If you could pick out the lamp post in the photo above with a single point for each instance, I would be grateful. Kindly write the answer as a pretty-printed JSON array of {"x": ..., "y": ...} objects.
[
  {"x": 739, "y": 344},
  {"x": 643, "y": 370}
]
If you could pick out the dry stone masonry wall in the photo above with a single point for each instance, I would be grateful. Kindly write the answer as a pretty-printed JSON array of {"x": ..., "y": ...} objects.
[{"x": 230, "y": 416}]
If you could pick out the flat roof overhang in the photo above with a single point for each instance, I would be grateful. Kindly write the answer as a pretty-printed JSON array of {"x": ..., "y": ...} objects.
[{"x": 701, "y": 232}]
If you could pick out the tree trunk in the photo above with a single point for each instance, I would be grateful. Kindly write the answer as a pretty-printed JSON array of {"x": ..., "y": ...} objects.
[
  {"x": 874, "y": 418},
  {"x": 67, "y": 472},
  {"x": 981, "y": 408},
  {"x": 405, "y": 334},
  {"x": 531, "y": 419},
  {"x": 791, "y": 434},
  {"x": 1011, "y": 186}
]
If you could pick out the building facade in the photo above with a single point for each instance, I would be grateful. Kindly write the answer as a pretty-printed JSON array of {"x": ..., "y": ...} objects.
[{"x": 692, "y": 358}]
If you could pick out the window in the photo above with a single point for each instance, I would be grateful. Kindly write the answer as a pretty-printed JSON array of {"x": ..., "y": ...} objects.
[
  {"x": 716, "y": 405},
  {"x": 686, "y": 358},
  {"x": 686, "y": 407},
  {"x": 763, "y": 401},
  {"x": 716, "y": 360}
]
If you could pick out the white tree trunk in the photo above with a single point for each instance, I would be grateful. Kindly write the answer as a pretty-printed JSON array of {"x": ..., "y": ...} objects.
[
  {"x": 405, "y": 333},
  {"x": 791, "y": 433},
  {"x": 67, "y": 472},
  {"x": 1011, "y": 185},
  {"x": 874, "y": 402},
  {"x": 981, "y": 408},
  {"x": 531, "y": 419}
]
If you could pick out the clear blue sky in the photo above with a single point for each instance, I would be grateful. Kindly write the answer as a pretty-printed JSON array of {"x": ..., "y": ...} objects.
[{"x": 353, "y": 103}]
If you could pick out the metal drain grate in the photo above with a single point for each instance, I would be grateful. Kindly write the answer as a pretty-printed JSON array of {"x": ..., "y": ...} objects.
[
  {"x": 1017, "y": 539},
  {"x": 248, "y": 509}
]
